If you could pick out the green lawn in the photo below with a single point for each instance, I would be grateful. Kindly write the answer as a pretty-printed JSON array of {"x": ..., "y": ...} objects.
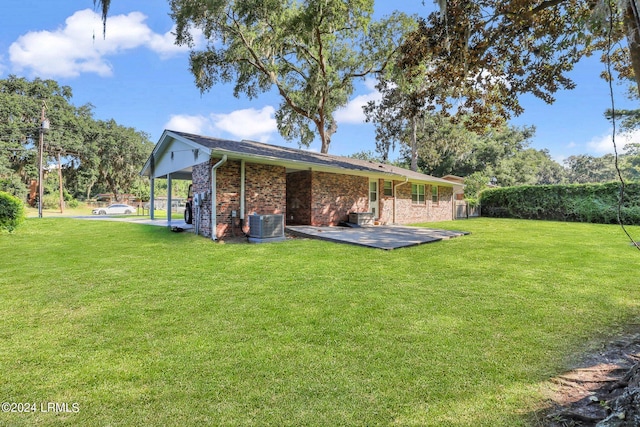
[{"x": 140, "y": 326}]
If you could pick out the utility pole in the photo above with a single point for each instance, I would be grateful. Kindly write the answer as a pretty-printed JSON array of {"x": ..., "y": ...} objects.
[
  {"x": 44, "y": 125},
  {"x": 60, "y": 182}
]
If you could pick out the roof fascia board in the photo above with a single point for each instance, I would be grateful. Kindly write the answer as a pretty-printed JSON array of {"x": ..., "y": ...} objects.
[
  {"x": 162, "y": 145},
  {"x": 234, "y": 155}
]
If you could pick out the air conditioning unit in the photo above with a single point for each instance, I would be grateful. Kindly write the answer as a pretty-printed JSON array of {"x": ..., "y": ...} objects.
[{"x": 266, "y": 228}]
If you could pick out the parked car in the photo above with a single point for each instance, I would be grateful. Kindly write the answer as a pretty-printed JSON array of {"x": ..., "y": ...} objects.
[{"x": 114, "y": 210}]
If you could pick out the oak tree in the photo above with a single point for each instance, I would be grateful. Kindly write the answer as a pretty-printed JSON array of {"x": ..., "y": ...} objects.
[
  {"x": 310, "y": 51},
  {"x": 490, "y": 52}
]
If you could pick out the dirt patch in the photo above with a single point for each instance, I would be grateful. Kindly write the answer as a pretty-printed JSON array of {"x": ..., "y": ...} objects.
[{"x": 603, "y": 391}]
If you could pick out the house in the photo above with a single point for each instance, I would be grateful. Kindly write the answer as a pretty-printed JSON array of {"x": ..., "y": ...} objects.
[
  {"x": 234, "y": 179},
  {"x": 458, "y": 193}
]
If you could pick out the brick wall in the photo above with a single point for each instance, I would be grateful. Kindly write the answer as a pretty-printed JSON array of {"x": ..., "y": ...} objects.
[
  {"x": 265, "y": 193},
  {"x": 265, "y": 190},
  {"x": 386, "y": 204},
  {"x": 201, "y": 180},
  {"x": 228, "y": 199},
  {"x": 305, "y": 197},
  {"x": 443, "y": 211},
  {"x": 333, "y": 196},
  {"x": 407, "y": 212},
  {"x": 299, "y": 198}
]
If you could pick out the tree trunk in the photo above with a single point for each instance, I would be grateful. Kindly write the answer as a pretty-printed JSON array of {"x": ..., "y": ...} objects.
[
  {"x": 414, "y": 144},
  {"x": 325, "y": 135}
]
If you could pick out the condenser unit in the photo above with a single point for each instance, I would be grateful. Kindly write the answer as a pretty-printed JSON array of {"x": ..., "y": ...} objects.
[{"x": 266, "y": 228}]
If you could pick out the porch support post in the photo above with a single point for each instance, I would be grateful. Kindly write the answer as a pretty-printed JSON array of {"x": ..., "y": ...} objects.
[
  {"x": 152, "y": 199},
  {"x": 169, "y": 200}
]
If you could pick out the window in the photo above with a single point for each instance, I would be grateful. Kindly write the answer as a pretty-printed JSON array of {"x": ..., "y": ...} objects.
[
  {"x": 388, "y": 188},
  {"x": 417, "y": 194},
  {"x": 373, "y": 191},
  {"x": 434, "y": 194},
  {"x": 373, "y": 197}
]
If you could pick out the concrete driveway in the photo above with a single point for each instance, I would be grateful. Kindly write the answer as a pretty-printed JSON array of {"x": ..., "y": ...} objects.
[
  {"x": 139, "y": 220},
  {"x": 382, "y": 237}
]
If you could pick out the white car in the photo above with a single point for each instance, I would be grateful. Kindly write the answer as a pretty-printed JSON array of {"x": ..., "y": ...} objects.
[{"x": 117, "y": 209}]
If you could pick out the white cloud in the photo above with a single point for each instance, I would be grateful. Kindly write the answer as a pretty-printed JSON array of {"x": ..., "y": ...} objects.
[
  {"x": 191, "y": 124},
  {"x": 79, "y": 46},
  {"x": 603, "y": 144},
  {"x": 352, "y": 113},
  {"x": 240, "y": 124},
  {"x": 248, "y": 123}
]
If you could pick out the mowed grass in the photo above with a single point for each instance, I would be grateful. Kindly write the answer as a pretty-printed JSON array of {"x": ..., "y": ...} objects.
[{"x": 140, "y": 326}]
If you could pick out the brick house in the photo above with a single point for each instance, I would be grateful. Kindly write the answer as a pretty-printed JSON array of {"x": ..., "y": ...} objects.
[{"x": 234, "y": 179}]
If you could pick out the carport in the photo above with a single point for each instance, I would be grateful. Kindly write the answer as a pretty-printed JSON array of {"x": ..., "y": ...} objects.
[{"x": 172, "y": 158}]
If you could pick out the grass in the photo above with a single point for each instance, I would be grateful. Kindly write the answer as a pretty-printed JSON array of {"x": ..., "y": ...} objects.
[{"x": 141, "y": 326}]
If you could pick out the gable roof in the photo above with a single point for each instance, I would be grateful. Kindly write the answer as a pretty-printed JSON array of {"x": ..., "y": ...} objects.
[{"x": 291, "y": 158}]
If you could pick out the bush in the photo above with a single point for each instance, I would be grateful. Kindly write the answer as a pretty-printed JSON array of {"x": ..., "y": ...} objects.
[
  {"x": 595, "y": 203},
  {"x": 14, "y": 186},
  {"x": 11, "y": 212},
  {"x": 51, "y": 201}
]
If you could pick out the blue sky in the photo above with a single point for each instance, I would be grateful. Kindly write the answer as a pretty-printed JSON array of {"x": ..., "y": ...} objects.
[{"x": 138, "y": 77}]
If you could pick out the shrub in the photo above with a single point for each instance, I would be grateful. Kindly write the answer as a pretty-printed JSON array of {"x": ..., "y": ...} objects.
[
  {"x": 595, "y": 203},
  {"x": 51, "y": 201},
  {"x": 11, "y": 212},
  {"x": 14, "y": 186}
]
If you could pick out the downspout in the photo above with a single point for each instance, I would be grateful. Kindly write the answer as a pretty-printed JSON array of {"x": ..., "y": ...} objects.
[
  {"x": 214, "y": 198},
  {"x": 242, "y": 194},
  {"x": 406, "y": 180}
]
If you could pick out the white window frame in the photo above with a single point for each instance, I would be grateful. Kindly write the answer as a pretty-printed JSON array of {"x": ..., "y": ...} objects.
[
  {"x": 390, "y": 188},
  {"x": 417, "y": 197}
]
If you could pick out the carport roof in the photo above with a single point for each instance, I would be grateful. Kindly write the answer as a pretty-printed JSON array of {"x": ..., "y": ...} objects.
[{"x": 291, "y": 158}]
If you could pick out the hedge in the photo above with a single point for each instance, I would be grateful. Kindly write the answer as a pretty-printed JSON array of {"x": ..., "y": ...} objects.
[
  {"x": 595, "y": 203},
  {"x": 11, "y": 212}
]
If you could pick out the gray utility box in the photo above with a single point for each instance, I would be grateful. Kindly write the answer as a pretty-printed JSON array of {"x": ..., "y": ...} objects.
[
  {"x": 361, "y": 218},
  {"x": 266, "y": 228}
]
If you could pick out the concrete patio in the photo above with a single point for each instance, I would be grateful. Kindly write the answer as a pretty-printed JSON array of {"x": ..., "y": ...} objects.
[{"x": 382, "y": 237}]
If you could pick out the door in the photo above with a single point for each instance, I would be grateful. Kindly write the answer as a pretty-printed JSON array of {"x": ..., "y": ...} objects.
[{"x": 373, "y": 198}]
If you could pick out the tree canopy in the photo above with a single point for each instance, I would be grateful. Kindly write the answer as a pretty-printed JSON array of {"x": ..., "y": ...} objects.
[
  {"x": 94, "y": 152},
  {"x": 310, "y": 51},
  {"x": 489, "y": 52}
]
